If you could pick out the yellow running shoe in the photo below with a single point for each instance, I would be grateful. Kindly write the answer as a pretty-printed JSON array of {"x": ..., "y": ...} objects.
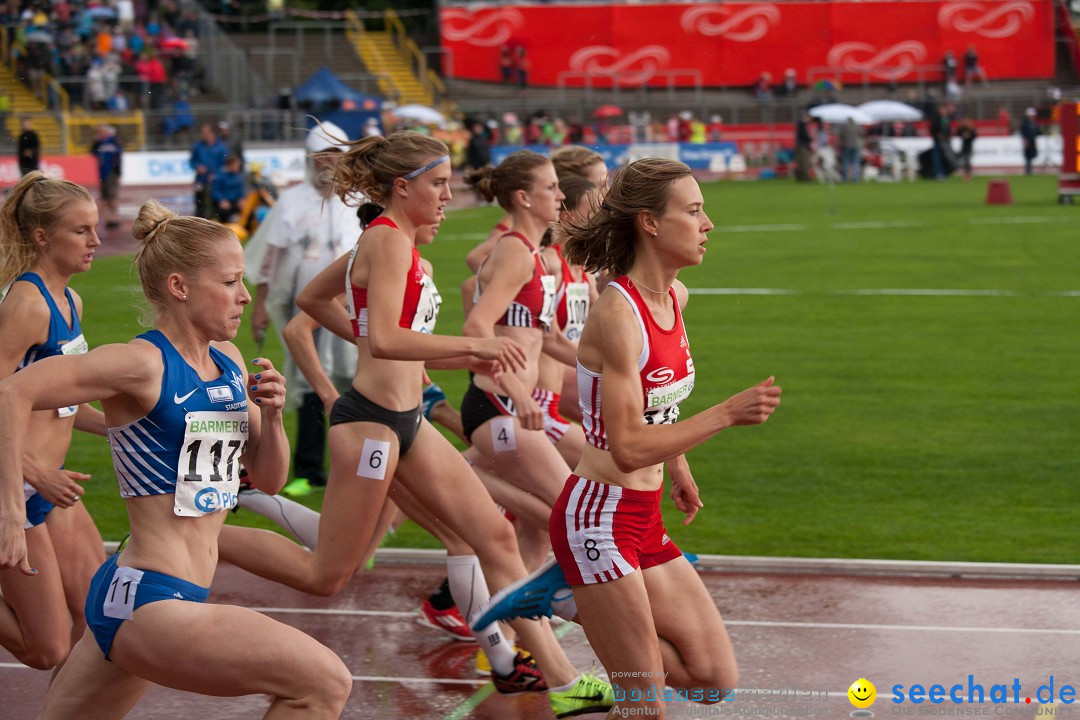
[{"x": 589, "y": 694}]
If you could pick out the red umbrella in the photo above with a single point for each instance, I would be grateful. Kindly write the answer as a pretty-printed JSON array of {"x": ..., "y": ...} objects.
[
  {"x": 174, "y": 43},
  {"x": 608, "y": 111}
]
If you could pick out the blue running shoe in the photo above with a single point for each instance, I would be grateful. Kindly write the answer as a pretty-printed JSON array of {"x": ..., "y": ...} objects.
[
  {"x": 531, "y": 597},
  {"x": 433, "y": 395},
  {"x": 692, "y": 558}
]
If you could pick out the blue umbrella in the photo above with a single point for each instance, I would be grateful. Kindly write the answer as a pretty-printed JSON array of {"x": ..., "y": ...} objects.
[{"x": 101, "y": 13}]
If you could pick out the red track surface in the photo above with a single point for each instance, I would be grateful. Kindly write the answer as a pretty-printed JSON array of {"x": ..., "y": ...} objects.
[{"x": 804, "y": 633}]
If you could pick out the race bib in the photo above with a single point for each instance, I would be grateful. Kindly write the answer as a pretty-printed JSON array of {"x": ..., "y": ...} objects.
[
  {"x": 547, "y": 310},
  {"x": 75, "y": 346},
  {"x": 208, "y": 473},
  {"x": 427, "y": 307},
  {"x": 120, "y": 597},
  {"x": 577, "y": 309}
]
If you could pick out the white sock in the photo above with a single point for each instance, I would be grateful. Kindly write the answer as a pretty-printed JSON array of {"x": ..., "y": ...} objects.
[
  {"x": 470, "y": 592},
  {"x": 301, "y": 521},
  {"x": 567, "y": 686},
  {"x": 563, "y": 605}
]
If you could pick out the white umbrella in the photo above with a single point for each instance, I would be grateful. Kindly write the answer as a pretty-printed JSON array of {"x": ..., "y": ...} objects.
[
  {"x": 891, "y": 111},
  {"x": 419, "y": 113},
  {"x": 839, "y": 113}
]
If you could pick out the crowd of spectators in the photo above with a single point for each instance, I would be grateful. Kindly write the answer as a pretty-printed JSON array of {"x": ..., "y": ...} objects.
[{"x": 119, "y": 55}]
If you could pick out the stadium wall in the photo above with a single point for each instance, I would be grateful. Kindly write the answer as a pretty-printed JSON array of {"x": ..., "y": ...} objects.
[{"x": 732, "y": 44}]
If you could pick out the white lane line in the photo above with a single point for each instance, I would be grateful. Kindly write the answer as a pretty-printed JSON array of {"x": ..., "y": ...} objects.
[
  {"x": 734, "y": 623},
  {"x": 929, "y": 292},
  {"x": 876, "y": 225},
  {"x": 900, "y": 628},
  {"x": 761, "y": 228},
  {"x": 743, "y": 291},
  {"x": 1020, "y": 220},
  {"x": 887, "y": 292},
  {"x": 356, "y": 678}
]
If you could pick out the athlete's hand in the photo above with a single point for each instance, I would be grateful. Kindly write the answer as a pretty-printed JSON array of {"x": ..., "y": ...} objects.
[
  {"x": 529, "y": 413},
  {"x": 753, "y": 405},
  {"x": 60, "y": 487},
  {"x": 13, "y": 544},
  {"x": 266, "y": 387},
  {"x": 260, "y": 320},
  {"x": 684, "y": 491},
  {"x": 505, "y": 350}
]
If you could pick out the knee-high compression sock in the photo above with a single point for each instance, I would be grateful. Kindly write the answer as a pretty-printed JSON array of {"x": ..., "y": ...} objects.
[
  {"x": 301, "y": 521},
  {"x": 470, "y": 591}
]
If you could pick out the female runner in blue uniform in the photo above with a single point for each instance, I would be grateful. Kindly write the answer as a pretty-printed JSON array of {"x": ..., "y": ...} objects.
[
  {"x": 182, "y": 415},
  {"x": 634, "y": 368},
  {"x": 48, "y": 235}
]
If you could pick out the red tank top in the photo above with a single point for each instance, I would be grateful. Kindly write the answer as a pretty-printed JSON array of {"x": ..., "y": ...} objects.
[
  {"x": 420, "y": 307},
  {"x": 571, "y": 301},
  {"x": 665, "y": 366},
  {"x": 534, "y": 305}
]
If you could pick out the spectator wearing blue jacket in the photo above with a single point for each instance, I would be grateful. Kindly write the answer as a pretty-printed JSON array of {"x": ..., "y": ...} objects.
[
  {"x": 109, "y": 155},
  {"x": 227, "y": 190},
  {"x": 207, "y": 159}
]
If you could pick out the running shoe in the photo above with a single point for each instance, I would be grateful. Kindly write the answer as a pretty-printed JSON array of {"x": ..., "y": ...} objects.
[
  {"x": 449, "y": 621},
  {"x": 691, "y": 558},
  {"x": 588, "y": 695},
  {"x": 525, "y": 677},
  {"x": 433, "y": 395},
  {"x": 534, "y": 596},
  {"x": 483, "y": 665},
  {"x": 298, "y": 487}
]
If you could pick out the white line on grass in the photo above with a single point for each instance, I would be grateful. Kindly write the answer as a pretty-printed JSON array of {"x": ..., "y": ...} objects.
[
  {"x": 888, "y": 292},
  {"x": 876, "y": 225},
  {"x": 1021, "y": 220},
  {"x": 760, "y": 228}
]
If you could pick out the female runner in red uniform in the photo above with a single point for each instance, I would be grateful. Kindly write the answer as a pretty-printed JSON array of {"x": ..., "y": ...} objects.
[
  {"x": 634, "y": 368},
  {"x": 378, "y": 431}
]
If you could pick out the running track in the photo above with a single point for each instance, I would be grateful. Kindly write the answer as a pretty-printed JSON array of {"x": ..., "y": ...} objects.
[{"x": 808, "y": 632}]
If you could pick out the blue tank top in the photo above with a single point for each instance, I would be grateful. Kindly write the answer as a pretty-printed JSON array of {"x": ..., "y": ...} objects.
[
  {"x": 191, "y": 442},
  {"x": 62, "y": 340}
]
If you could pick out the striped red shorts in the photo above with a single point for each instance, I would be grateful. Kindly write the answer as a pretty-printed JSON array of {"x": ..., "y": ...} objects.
[{"x": 601, "y": 532}]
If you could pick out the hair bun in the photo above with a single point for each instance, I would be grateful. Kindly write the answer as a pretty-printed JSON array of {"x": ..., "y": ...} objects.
[{"x": 152, "y": 215}]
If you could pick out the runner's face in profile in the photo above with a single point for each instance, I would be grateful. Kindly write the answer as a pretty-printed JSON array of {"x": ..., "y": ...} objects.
[
  {"x": 73, "y": 238},
  {"x": 682, "y": 230},
  {"x": 429, "y": 193},
  {"x": 217, "y": 294}
]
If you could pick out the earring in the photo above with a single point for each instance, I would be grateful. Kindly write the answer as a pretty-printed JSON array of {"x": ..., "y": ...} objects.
[
  {"x": 654, "y": 234},
  {"x": 528, "y": 205},
  {"x": 183, "y": 298}
]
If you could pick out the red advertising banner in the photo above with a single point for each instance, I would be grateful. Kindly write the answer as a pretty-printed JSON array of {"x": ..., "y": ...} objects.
[
  {"x": 81, "y": 169},
  {"x": 731, "y": 44}
]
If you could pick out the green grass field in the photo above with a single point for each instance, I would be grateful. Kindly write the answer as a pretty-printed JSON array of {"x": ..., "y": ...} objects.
[{"x": 915, "y": 424}]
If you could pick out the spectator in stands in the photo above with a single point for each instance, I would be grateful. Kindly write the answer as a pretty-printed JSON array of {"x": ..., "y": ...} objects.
[
  {"x": 227, "y": 189},
  {"x": 715, "y": 129},
  {"x": 95, "y": 84},
  {"x": 118, "y": 102},
  {"x": 207, "y": 157},
  {"x": 967, "y": 136},
  {"x": 948, "y": 66},
  {"x": 233, "y": 144},
  {"x": 1029, "y": 134},
  {"x": 5, "y": 107},
  {"x": 763, "y": 88},
  {"x": 109, "y": 155},
  {"x": 790, "y": 87},
  {"x": 940, "y": 131},
  {"x": 478, "y": 151},
  {"x": 152, "y": 72},
  {"x": 804, "y": 143},
  {"x": 522, "y": 66},
  {"x": 851, "y": 147},
  {"x": 29, "y": 148},
  {"x": 972, "y": 68},
  {"x": 506, "y": 65}
]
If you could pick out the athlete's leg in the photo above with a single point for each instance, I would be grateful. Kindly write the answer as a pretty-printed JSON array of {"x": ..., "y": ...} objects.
[
  {"x": 440, "y": 477},
  {"x": 79, "y": 552},
  {"x": 179, "y": 644},
  {"x": 526, "y": 506},
  {"x": 35, "y": 625},
  {"x": 89, "y": 687},
  {"x": 535, "y": 465},
  {"x": 625, "y": 639},
  {"x": 695, "y": 644},
  {"x": 351, "y": 509}
]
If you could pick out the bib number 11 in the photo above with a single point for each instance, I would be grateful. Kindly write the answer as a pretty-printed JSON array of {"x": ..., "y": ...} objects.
[{"x": 203, "y": 460}]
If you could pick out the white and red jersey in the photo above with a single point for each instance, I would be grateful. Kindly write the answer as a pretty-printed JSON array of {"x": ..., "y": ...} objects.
[
  {"x": 665, "y": 366},
  {"x": 534, "y": 304},
  {"x": 420, "y": 308},
  {"x": 571, "y": 302}
]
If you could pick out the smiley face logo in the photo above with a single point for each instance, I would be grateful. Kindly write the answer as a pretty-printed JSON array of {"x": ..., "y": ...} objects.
[{"x": 862, "y": 693}]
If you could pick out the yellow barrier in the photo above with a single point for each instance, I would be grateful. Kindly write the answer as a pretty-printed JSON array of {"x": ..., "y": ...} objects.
[{"x": 82, "y": 128}]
